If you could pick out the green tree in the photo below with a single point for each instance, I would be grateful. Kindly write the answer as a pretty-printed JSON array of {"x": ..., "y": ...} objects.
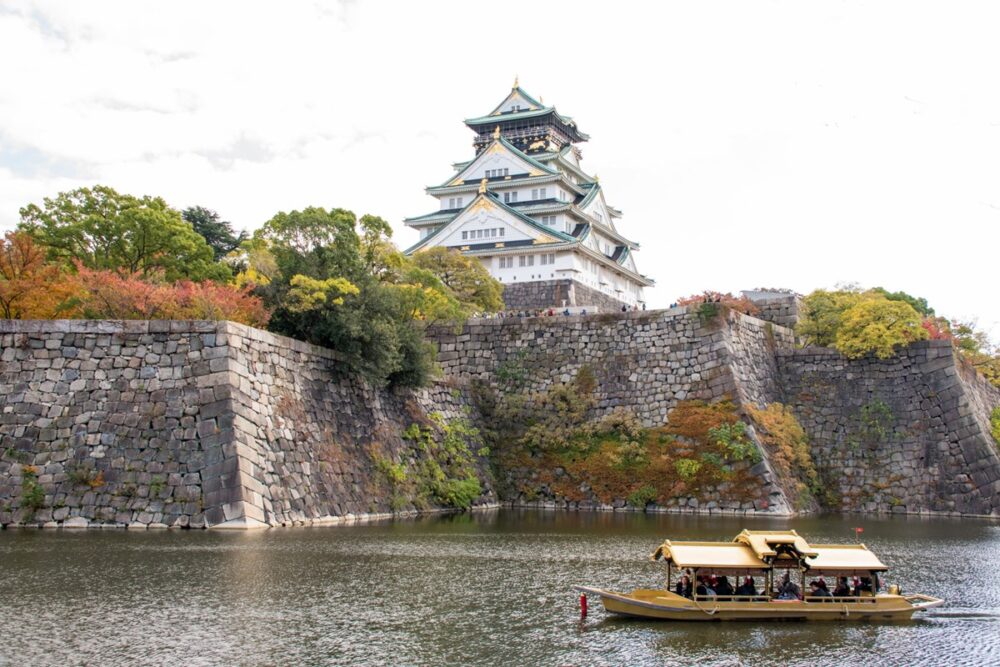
[
  {"x": 821, "y": 314},
  {"x": 466, "y": 277},
  {"x": 919, "y": 303},
  {"x": 219, "y": 234},
  {"x": 339, "y": 282},
  {"x": 876, "y": 324},
  {"x": 103, "y": 229}
]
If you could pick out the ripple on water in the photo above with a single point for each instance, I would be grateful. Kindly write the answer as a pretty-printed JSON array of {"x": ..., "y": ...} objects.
[{"x": 490, "y": 589}]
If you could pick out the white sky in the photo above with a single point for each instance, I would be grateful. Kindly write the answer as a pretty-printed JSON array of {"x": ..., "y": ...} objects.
[{"x": 748, "y": 143}]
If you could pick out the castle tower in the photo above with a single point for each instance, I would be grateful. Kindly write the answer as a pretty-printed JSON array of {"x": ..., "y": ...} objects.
[{"x": 528, "y": 211}]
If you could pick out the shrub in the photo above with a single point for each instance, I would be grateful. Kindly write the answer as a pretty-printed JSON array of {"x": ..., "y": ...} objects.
[
  {"x": 709, "y": 303},
  {"x": 642, "y": 496},
  {"x": 733, "y": 437},
  {"x": 995, "y": 424},
  {"x": 687, "y": 468},
  {"x": 788, "y": 445},
  {"x": 459, "y": 493}
]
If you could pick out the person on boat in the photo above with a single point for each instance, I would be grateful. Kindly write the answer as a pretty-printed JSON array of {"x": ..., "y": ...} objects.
[
  {"x": 817, "y": 591},
  {"x": 723, "y": 587},
  {"x": 789, "y": 589},
  {"x": 703, "y": 589},
  {"x": 843, "y": 589},
  {"x": 863, "y": 586},
  {"x": 683, "y": 587},
  {"x": 747, "y": 588}
]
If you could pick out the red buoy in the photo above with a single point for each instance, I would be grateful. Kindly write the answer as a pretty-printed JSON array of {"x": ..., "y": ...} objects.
[{"x": 583, "y": 605}]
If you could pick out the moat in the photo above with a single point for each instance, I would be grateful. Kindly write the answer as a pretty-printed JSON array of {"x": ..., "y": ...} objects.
[{"x": 488, "y": 588}]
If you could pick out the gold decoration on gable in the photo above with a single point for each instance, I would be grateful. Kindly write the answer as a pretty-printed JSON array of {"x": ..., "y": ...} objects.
[{"x": 481, "y": 204}]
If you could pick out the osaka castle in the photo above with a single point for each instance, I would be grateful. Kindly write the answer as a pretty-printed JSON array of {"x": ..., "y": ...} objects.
[{"x": 526, "y": 208}]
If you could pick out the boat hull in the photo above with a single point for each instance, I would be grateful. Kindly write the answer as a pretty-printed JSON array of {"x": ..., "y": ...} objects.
[{"x": 667, "y": 606}]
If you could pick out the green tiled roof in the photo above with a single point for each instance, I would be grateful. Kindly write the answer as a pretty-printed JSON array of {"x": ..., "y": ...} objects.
[
  {"x": 520, "y": 91},
  {"x": 512, "y": 148},
  {"x": 527, "y": 220},
  {"x": 430, "y": 217}
]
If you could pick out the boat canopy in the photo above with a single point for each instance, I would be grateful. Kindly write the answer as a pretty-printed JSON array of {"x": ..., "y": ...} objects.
[
  {"x": 713, "y": 555},
  {"x": 844, "y": 559},
  {"x": 767, "y": 550},
  {"x": 768, "y": 544}
]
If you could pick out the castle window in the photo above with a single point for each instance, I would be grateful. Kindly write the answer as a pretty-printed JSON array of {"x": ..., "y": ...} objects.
[
  {"x": 465, "y": 236},
  {"x": 501, "y": 231},
  {"x": 526, "y": 260},
  {"x": 458, "y": 202},
  {"x": 508, "y": 197}
]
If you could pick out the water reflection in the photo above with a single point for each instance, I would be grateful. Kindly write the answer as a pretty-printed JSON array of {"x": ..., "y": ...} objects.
[{"x": 491, "y": 588}]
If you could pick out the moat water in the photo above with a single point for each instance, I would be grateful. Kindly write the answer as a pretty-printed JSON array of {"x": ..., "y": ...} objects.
[{"x": 485, "y": 589}]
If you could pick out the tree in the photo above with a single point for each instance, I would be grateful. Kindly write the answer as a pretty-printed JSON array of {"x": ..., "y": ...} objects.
[
  {"x": 919, "y": 303},
  {"x": 217, "y": 233},
  {"x": 30, "y": 287},
  {"x": 103, "y": 294},
  {"x": 876, "y": 324},
  {"x": 339, "y": 282},
  {"x": 821, "y": 314},
  {"x": 466, "y": 277},
  {"x": 103, "y": 229}
]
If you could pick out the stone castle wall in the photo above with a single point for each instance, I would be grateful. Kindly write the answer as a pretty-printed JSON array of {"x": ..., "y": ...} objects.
[
  {"x": 906, "y": 434},
  {"x": 643, "y": 361},
  {"x": 192, "y": 424},
  {"x": 204, "y": 423},
  {"x": 557, "y": 294},
  {"x": 781, "y": 310}
]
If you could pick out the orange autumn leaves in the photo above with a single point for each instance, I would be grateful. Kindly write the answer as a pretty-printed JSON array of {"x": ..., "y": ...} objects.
[{"x": 31, "y": 287}]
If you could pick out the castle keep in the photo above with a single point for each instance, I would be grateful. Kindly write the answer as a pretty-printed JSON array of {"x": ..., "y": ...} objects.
[{"x": 525, "y": 207}]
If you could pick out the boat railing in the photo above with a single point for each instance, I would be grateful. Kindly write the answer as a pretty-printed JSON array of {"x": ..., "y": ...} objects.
[{"x": 849, "y": 599}]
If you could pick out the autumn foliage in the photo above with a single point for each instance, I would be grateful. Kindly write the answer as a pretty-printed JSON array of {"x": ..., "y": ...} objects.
[
  {"x": 738, "y": 303},
  {"x": 31, "y": 287},
  {"x": 109, "y": 295}
]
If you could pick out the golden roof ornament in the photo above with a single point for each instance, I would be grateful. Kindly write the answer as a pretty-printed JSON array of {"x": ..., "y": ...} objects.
[
  {"x": 515, "y": 82},
  {"x": 496, "y": 132},
  {"x": 482, "y": 186}
]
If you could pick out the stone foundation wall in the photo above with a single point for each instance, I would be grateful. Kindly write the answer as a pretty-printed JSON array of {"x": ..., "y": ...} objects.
[
  {"x": 557, "y": 294},
  {"x": 907, "y": 435},
  {"x": 783, "y": 311},
  {"x": 195, "y": 424},
  {"x": 643, "y": 361},
  {"x": 204, "y": 423}
]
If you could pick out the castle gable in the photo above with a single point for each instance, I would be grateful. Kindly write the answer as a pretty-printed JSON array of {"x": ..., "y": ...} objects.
[{"x": 500, "y": 160}]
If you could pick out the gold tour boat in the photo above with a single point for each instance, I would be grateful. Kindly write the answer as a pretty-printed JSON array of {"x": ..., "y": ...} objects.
[{"x": 701, "y": 590}]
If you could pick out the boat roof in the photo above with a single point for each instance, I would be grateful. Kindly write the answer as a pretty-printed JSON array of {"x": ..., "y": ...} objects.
[
  {"x": 767, "y": 543},
  {"x": 764, "y": 550},
  {"x": 845, "y": 558},
  {"x": 715, "y": 555}
]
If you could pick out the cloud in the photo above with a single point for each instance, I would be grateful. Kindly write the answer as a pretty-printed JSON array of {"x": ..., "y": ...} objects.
[{"x": 747, "y": 144}]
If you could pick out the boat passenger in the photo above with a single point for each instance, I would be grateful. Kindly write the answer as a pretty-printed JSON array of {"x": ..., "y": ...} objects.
[
  {"x": 683, "y": 587},
  {"x": 747, "y": 588},
  {"x": 863, "y": 586},
  {"x": 842, "y": 590},
  {"x": 703, "y": 589},
  {"x": 723, "y": 587},
  {"x": 817, "y": 591},
  {"x": 789, "y": 589}
]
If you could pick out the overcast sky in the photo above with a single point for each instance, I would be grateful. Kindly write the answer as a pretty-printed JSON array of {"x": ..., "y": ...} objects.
[{"x": 777, "y": 144}]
